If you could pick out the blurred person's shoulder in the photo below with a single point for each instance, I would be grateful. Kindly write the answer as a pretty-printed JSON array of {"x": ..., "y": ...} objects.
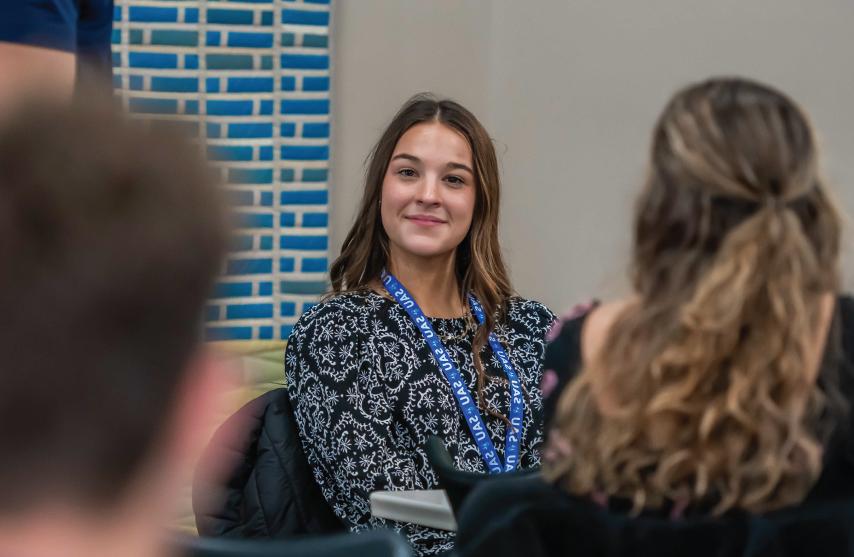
[
  {"x": 596, "y": 323},
  {"x": 81, "y": 28}
]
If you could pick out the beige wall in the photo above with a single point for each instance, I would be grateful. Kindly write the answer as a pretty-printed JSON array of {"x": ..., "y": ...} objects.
[{"x": 569, "y": 91}]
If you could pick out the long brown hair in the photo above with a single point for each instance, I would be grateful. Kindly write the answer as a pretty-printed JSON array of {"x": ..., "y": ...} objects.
[
  {"x": 704, "y": 393},
  {"x": 479, "y": 264}
]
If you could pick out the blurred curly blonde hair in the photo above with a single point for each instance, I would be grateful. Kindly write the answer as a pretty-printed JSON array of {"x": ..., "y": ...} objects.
[{"x": 710, "y": 398}]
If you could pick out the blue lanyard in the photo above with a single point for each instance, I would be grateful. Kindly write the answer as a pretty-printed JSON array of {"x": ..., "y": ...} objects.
[{"x": 458, "y": 385}]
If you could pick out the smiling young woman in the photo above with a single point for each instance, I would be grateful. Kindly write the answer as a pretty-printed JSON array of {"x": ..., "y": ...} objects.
[{"x": 422, "y": 335}]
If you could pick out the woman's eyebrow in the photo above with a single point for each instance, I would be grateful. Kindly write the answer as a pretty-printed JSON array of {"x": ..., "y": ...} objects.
[
  {"x": 460, "y": 166},
  {"x": 406, "y": 156}
]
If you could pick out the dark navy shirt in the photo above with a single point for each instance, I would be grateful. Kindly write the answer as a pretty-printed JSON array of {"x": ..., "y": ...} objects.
[{"x": 83, "y": 27}]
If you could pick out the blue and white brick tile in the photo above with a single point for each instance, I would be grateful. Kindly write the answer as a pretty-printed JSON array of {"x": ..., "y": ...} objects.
[{"x": 253, "y": 76}]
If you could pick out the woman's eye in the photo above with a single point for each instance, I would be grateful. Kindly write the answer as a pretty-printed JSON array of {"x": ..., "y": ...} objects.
[
  {"x": 406, "y": 172},
  {"x": 455, "y": 180}
]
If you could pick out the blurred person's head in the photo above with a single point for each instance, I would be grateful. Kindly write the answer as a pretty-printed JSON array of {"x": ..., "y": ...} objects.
[
  {"x": 110, "y": 237},
  {"x": 432, "y": 191},
  {"x": 706, "y": 389}
]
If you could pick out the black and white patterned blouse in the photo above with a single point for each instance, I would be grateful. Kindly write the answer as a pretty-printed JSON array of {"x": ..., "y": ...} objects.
[{"x": 367, "y": 393}]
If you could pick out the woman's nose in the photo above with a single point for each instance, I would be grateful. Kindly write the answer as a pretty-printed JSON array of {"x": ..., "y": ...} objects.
[{"x": 428, "y": 191}]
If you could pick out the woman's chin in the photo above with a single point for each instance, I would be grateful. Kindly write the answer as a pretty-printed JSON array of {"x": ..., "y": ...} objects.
[{"x": 427, "y": 250}]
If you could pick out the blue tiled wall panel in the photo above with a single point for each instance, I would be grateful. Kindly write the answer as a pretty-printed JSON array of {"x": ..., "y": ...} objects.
[
  {"x": 320, "y": 220},
  {"x": 251, "y": 130},
  {"x": 311, "y": 83},
  {"x": 288, "y": 129},
  {"x": 250, "y": 176},
  {"x": 249, "y": 267},
  {"x": 230, "y": 61},
  {"x": 230, "y": 153},
  {"x": 259, "y": 94},
  {"x": 305, "y": 61},
  {"x": 228, "y": 333},
  {"x": 250, "y": 40},
  {"x": 314, "y": 264},
  {"x": 286, "y": 264},
  {"x": 159, "y": 60},
  {"x": 315, "y": 175},
  {"x": 153, "y": 14},
  {"x": 249, "y": 311},
  {"x": 232, "y": 290},
  {"x": 213, "y": 38},
  {"x": 233, "y": 17},
  {"x": 287, "y": 219},
  {"x": 289, "y": 83},
  {"x": 302, "y": 17},
  {"x": 175, "y": 84},
  {"x": 303, "y": 287},
  {"x": 311, "y": 243},
  {"x": 315, "y": 41},
  {"x": 312, "y": 130},
  {"x": 305, "y": 152},
  {"x": 305, "y": 106},
  {"x": 255, "y": 220},
  {"x": 172, "y": 37},
  {"x": 309, "y": 197},
  {"x": 153, "y": 106},
  {"x": 250, "y": 85},
  {"x": 238, "y": 107}
]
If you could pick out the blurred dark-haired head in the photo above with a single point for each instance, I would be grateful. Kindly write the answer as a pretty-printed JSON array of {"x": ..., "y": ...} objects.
[{"x": 110, "y": 238}]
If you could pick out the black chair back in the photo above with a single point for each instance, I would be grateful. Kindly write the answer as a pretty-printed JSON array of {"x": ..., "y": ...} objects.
[
  {"x": 458, "y": 483},
  {"x": 253, "y": 480}
]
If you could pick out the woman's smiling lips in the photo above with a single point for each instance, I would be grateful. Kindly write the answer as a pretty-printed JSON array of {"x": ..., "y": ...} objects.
[{"x": 425, "y": 220}]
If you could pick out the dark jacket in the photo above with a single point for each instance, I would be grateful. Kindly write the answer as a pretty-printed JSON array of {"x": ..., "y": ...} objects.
[
  {"x": 253, "y": 480},
  {"x": 527, "y": 517}
]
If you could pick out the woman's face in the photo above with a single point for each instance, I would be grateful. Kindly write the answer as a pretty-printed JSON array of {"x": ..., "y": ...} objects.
[{"x": 428, "y": 192}]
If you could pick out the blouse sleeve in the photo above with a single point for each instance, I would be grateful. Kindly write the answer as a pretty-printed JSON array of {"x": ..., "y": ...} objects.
[
  {"x": 342, "y": 413},
  {"x": 536, "y": 320}
]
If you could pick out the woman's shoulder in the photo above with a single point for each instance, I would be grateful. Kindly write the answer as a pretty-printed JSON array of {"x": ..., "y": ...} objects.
[{"x": 344, "y": 310}]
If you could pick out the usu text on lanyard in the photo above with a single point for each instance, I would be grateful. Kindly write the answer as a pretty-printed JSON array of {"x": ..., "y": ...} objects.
[{"x": 458, "y": 385}]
